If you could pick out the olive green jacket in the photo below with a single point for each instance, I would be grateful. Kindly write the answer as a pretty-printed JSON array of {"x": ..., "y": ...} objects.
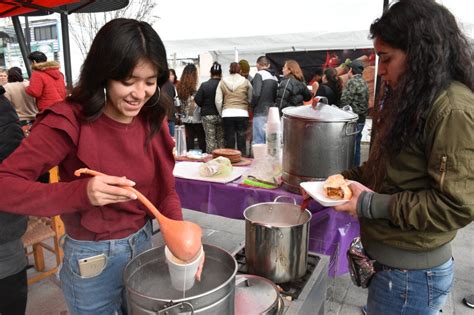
[{"x": 428, "y": 192}]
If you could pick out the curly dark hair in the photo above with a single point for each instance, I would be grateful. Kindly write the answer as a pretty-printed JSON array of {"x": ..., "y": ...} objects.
[
  {"x": 437, "y": 53},
  {"x": 187, "y": 85}
]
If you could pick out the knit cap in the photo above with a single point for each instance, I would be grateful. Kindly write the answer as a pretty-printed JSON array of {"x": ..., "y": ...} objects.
[{"x": 244, "y": 66}]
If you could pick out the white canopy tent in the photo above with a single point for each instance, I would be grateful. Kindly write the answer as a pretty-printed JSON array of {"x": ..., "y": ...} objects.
[
  {"x": 250, "y": 29},
  {"x": 224, "y": 50}
]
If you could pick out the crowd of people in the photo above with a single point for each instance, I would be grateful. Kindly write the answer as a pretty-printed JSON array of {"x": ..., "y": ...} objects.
[
  {"x": 410, "y": 197},
  {"x": 230, "y": 111}
]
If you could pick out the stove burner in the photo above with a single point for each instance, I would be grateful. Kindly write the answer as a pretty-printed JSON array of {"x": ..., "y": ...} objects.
[{"x": 289, "y": 290}]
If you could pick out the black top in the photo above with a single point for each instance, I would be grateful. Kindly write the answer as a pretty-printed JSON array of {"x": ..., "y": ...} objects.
[
  {"x": 12, "y": 226},
  {"x": 292, "y": 92},
  {"x": 206, "y": 97},
  {"x": 327, "y": 91},
  {"x": 169, "y": 89}
]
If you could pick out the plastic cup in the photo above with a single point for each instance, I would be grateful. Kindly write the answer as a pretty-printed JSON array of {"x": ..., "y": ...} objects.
[
  {"x": 259, "y": 150},
  {"x": 180, "y": 139},
  {"x": 182, "y": 273},
  {"x": 273, "y": 115}
]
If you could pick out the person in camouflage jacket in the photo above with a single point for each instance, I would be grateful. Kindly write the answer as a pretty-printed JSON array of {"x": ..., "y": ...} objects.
[{"x": 356, "y": 94}]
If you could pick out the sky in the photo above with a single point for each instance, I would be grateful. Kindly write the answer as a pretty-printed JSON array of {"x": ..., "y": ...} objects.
[
  {"x": 188, "y": 19},
  {"x": 193, "y": 19}
]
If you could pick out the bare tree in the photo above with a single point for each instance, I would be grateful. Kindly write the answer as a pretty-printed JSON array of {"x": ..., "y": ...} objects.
[{"x": 86, "y": 25}]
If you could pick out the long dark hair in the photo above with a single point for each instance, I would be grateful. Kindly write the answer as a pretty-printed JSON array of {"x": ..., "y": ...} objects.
[
  {"x": 116, "y": 50},
  {"x": 334, "y": 82},
  {"x": 436, "y": 54}
]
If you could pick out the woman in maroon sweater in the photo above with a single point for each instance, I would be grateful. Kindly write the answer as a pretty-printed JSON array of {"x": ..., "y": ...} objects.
[{"x": 113, "y": 122}]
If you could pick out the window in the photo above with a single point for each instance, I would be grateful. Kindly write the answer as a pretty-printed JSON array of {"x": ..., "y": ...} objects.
[{"x": 45, "y": 32}]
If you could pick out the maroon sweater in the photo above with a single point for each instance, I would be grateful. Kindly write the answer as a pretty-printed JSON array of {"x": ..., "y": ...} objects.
[{"x": 59, "y": 137}]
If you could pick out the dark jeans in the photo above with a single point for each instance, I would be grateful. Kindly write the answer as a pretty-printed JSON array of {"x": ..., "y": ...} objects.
[
  {"x": 235, "y": 128},
  {"x": 171, "y": 127},
  {"x": 195, "y": 131},
  {"x": 13, "y": 294}
]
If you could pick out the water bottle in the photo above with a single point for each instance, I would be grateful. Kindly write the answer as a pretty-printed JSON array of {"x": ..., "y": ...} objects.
[{"x": 273, "y": 133}]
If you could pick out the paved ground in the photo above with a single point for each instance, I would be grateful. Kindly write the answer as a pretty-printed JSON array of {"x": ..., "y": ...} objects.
[{"x": 343, "y": 298}]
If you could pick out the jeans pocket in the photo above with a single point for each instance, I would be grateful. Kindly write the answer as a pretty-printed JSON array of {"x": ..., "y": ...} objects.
[
  {"x": 72, "y": 262},
  {"x": 440, "y": 281}
]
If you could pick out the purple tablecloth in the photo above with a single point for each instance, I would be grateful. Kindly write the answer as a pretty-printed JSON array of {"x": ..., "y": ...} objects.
[{"x": 331, "y": 232}]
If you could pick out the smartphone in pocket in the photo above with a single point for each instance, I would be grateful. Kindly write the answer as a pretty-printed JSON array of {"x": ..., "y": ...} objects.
[{"x": 92, "y": 266}]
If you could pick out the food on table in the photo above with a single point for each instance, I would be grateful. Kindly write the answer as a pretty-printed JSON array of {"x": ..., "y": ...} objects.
[
  {"x": 233, "y": 155},
  {"x": 336, "y": 187},
  {"x": 218, "y": 166}
]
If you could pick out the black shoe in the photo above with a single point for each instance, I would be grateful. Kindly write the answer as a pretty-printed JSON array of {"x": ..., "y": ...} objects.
[{"x": 469, "y": 301}]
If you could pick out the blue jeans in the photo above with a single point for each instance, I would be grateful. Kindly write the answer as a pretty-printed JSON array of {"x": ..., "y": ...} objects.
[
  {"x": 171, "y": 127},
  {"x": 394, "y": 291},
  {"x": 258, "y": 129},
  {"x": 360, "y": 127},
  {"x": 101, "y": 294}
]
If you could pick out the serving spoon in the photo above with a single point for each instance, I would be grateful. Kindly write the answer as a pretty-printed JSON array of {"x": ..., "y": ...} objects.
[{"x": 183, "y": 238}]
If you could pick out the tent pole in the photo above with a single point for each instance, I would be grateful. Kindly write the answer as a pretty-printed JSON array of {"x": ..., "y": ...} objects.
[
  {"x": 27, "y": 34},
  {"x": 66, "y": 49},
  {"x": 21, "y": 42}
]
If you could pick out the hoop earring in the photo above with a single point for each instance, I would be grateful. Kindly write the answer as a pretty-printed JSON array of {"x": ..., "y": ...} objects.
[
  {"x": 159, "y": 93},
  {"x": 105, "y": 96},
  {"x": 158, "y": 99}
]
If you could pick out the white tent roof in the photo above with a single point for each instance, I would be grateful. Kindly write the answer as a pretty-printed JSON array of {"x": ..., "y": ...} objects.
[{"x": 223, "y": 49}]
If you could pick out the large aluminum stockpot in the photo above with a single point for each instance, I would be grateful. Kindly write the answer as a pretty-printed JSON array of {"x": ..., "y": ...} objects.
[
  {"x": 318, "y": 141},
  {"x": 276, "y": 240},
  {"x": 149, "y": 291}
]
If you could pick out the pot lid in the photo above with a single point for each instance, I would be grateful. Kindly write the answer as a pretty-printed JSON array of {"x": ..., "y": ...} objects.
[
  {"x": 254, "y": 295},
  {"x": 321, "y": 112}
]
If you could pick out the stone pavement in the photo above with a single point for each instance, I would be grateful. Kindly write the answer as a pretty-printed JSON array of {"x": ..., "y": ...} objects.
[{"x": 343, "y": 298}]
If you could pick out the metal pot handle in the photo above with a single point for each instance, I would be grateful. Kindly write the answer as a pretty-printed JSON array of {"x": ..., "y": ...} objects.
[
  {"x": 278, "y": 197},
  {"x": 352, "y": 133},
  {"x": 319, "y": 101},
  {"x": 179, "y": 308},
  {"x": 281, "y": 305}
]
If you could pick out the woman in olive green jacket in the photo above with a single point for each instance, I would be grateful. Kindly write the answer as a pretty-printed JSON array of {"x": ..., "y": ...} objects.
[{"x": 417, "y": 187}]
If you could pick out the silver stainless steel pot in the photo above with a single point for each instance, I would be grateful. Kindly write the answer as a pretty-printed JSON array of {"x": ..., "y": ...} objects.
[
  {"x": 149, "y": 289},
  {"x": 257, "y": 295},
  {"x": 318, "y": 141},
  {"x": 276, "y": 240}
]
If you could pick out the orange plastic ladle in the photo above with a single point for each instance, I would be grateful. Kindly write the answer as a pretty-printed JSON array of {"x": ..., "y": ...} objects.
[{"x": 183, "y": 238}]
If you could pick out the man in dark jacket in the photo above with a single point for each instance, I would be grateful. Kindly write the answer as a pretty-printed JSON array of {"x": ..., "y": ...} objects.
[
  {"x": 13, "y": 283},
  {"x": 265, "y": 85}
]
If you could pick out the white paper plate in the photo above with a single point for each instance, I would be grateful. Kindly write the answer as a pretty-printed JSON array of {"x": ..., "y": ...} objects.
[
  {"x": 316, "y": 191},
  {"x": 190, "y": 170}
]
